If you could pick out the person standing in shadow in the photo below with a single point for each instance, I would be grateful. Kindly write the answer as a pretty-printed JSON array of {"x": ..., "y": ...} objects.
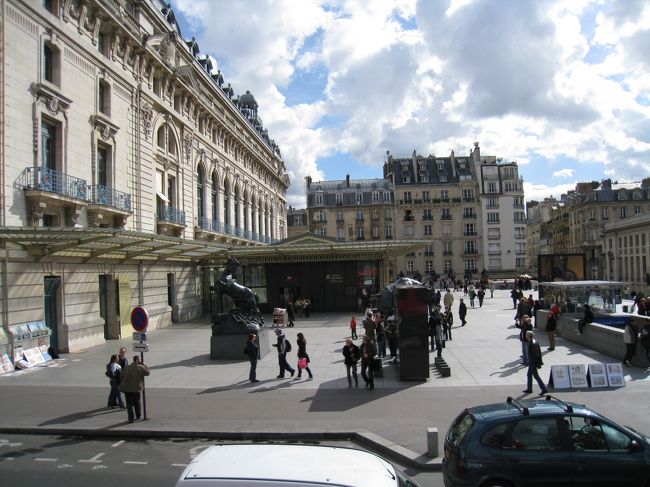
[{"x": 253, "y": 352}]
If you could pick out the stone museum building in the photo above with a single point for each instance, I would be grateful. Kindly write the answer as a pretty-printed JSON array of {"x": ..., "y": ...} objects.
[{"x": 128, "y": 165}]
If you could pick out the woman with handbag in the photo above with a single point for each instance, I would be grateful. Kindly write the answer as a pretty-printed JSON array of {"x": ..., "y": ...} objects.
[
  {"x": 303, "y": 358},
  {"x": 368, "y": 352}
]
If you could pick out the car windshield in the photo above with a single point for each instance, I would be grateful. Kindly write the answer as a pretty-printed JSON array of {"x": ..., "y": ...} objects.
[{"x": 460, "y": 428}]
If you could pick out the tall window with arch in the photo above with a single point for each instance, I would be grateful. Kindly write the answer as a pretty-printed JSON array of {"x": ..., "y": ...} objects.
[
  {"x": 200, "y": 196},
  {"x": 214, "y": 199},
  {"x": 226, "y": 203}
]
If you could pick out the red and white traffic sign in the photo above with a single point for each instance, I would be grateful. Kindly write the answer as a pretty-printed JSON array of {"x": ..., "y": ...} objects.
[{"x": 139, "y": 318}]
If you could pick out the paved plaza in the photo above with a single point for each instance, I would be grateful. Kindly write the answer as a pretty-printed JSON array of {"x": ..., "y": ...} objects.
[{"x": 187, "y": 392}]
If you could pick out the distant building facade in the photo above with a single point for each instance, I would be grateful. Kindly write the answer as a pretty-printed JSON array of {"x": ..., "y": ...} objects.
[
  {"x": 581, "y": 219},
  {"x": 469, "y": 208},
  {"x": 296, "y": 222}
]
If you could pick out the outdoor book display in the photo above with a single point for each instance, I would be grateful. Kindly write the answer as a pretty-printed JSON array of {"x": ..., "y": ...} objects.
[
  {"x": 580, "y": 376},
  {"x": 27, "y": 346}
]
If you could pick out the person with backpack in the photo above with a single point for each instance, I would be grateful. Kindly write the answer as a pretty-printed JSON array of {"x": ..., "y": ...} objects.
[
  {"x": 114, "y": 373},
  {"x": 351, "y": 356},
  {"x": 284, "y": 346},
  {"x": 252, "y": 351}
]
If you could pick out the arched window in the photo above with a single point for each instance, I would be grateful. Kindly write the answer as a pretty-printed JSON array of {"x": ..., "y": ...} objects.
[
  {"x": 226, "y": 202},
  {"x": 236, "y": 207},
  {"x": 214, "y": 202},
  {"x": 200, "y": 188}
]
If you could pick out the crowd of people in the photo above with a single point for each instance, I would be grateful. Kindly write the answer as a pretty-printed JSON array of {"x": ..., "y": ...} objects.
[{"x": 379, "y": 340}]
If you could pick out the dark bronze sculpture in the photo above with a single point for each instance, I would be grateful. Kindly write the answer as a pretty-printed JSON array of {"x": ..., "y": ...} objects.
[{"x": 245, "y": 317}]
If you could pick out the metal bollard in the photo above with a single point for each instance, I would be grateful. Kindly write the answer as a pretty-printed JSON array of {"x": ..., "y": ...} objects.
[{"x": 432, "y": 442}]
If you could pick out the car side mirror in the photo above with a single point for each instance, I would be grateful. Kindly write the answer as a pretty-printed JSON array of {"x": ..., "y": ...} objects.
[{"x": 635, "y": 446}]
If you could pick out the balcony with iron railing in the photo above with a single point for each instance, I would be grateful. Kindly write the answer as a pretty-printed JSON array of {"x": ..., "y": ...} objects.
[
  {"x": 171, "y": 215},
  {"x": 447, "y": 252},
  {"x": 446, "y": 217},
  {"x": 469, "y": 216},
  {"x": 105, "y": 196},
  {"x": 470, "y": 234},
  {"x": 170, "y": 220},
  {"x": 470, "y": 251},
  {"x": 47, "y": 189},
  {"x": 55, "y": 182}
]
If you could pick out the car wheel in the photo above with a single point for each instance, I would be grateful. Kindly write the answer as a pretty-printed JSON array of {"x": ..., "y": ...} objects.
[{"x": 497, "y": 483}]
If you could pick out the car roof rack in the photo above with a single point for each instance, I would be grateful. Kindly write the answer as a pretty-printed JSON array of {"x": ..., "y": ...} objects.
[
  {"x": 567, "y": 407},
  {"x": 518, "y": 405}
]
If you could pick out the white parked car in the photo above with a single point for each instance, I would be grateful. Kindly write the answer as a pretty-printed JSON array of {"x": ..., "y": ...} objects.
[{"x": 275, "y": 465}]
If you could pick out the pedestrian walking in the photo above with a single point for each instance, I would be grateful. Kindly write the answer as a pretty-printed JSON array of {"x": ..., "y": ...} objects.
[
  {"x": 303, "y": 357},
  {"x": 132, "y": 384},
  {"x": 392, "y": 335},
  {"x": 630, "y": 336},
  {"x": 368, "y": 352},
  {"x": 252, "y": 350},
  {"x": 462, "y": 312},
  {"x": 353, "y": 328},
  {"x": 491, "y": 289},
  {"x": 283, "y": 347},
  {"x": 351, "y": 354},
  {"x": 369, "y": 327},
  {"x": 439, "y": 337},
  {"x": 448, "y": 299},
  {"x": 534, "y": 363},
  {"x": 551, "y": 327},
  {"x": 481, "y": 295},
  {"x": 525, "y": 326},
  {"x": 472, "y": 296},
  {"x": 434, "y": 318},
  {"x": 291, "y": 315},
  {"x": 114, "y": 373},
  {"x": 381, "y": 338},
  {"x": 448, "y": 321}
]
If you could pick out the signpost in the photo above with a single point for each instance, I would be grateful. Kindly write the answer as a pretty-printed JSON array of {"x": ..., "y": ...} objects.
[{"x": 140, "y": 321}]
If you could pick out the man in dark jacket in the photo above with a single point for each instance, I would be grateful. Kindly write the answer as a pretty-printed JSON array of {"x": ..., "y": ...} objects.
[
  {"x": 588, "y": 317},
  {"x": 132, "y": 384},
  {"x": 534, "y": 363},
  {"x": 282, "y": 347},
  {"x": 253, "y": 352},
  {"x": 462, "y": 312}
]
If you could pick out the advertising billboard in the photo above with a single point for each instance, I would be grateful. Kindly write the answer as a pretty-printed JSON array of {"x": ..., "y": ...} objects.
[{"x": 561, "y": 267}]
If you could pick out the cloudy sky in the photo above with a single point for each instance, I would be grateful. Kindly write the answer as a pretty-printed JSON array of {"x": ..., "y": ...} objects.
[{"x": 562, "y": 87}]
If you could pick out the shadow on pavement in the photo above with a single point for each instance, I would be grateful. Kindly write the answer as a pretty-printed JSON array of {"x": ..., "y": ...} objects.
[
  {"x": 340, "y": 398},
  {"x": 81, "y": 416},
  {"x": 196, "y": 361},
  {"x": 511, "y": 368}
]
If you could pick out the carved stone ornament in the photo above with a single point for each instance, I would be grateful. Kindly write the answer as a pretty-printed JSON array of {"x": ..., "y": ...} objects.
[
  {"x": 53, "y": 105},
  {"x": 146, "y": 114},
  {"x": 106, "y": 133},
  {"x": 187, "y": 146},
  {"x": 50, "y": 97}
]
